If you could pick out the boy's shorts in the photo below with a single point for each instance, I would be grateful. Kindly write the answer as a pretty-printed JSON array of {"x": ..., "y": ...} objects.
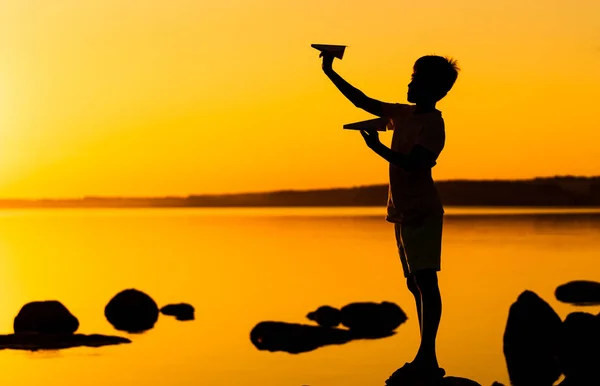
[{"x": 420, "y": 246}]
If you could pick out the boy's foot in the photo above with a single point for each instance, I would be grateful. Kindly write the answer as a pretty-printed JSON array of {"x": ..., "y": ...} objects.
[{"x": 414, "y": 375}]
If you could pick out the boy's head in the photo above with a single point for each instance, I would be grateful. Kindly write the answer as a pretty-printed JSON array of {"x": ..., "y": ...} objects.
[{"x": 433, "y": 76}]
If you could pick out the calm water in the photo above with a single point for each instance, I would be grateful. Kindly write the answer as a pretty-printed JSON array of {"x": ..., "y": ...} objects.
[{"x": 242, "y": 266}]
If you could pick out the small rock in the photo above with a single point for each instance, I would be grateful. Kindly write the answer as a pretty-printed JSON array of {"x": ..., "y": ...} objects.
[
  {"x": 45, "y": 317},
  {"x": 181, "y": 311},
  {"x": 326, "y": 316},
  {"x": 132, "y": 311},
  {"x": 579, "y": 292}
]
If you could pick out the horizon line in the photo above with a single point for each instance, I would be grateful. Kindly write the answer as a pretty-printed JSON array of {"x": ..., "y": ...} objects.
[{"x": 288, "y": 190}]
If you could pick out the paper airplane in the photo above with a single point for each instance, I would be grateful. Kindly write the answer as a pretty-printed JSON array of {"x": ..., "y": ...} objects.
[
  {"x": 378, "y": 124},
  {"x": 337, "y": 51}
]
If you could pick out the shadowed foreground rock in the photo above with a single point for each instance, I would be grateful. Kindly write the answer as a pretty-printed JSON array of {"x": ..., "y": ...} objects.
[
  {"x": 363, "y": 319},
  {"x": 579, "y": 292},
  {"x": 579, "y": 350},
  {"x": 446, "y": 381},
  {"x": 299, "y": 338},
  {"x": 132, "y": 311},
  {"x": 180, "y": 311},
  {"x": 531, "y": 342},
  {"x": 35, "y": 342},
  {"x": 46, "y": 317},
  {"x": 457, "y": 381}
]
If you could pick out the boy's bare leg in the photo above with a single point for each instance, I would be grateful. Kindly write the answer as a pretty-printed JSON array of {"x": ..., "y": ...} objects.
[
  {"x": 431, "y": 314},
  {"x": 414, "y": 289}
]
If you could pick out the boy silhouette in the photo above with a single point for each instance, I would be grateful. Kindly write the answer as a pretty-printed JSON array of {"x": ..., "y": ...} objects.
[{"x": 414, "y": 206}]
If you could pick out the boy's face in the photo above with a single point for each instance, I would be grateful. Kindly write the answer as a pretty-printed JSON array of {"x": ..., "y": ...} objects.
[{"x": 420, "y": 90}]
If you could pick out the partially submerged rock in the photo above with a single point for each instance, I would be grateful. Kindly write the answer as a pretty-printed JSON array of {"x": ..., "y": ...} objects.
[
  {"x": 35, "y": 342},
  {"x": 531, "y": 342},
  {"x": 181, "y": 311},
  {"x": 579, "y": 292},
  {"x": 45, "y": 317},
  {"x": 372, "y": 319},
  {"x": 299, "y": 338},
  {"x": 363, "y": 319},
  {"x": 132, "y": 311},
  {"x": 326, "y": 316},
  {"x": 295, "y": 338}
]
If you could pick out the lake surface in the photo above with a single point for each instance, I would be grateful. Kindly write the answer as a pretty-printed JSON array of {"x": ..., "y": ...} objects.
[{"x": 242, "y": 266}]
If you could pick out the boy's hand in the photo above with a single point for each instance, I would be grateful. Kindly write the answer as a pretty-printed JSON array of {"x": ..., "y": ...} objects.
[
  {"x": 327, "y": 60},
  {"x": 371, "y": 138}
]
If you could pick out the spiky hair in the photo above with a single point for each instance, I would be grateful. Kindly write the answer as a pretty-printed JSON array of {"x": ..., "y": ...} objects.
[{"x": 440, "y": 69}]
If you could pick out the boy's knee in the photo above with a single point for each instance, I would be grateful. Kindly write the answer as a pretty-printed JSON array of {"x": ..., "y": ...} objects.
[
  {"x": 411, "y": 283},
  {"x": 426, "y": 280}
]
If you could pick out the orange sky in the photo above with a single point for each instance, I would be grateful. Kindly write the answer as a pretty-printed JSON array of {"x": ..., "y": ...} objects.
[{"x": 153, "y": 97}]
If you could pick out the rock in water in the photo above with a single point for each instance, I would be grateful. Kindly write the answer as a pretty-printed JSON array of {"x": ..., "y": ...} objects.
[
  {"x": 295, "y": 338},
  {"x": 45, "y": 317},
  {"x": 180, "y": 311},
  {"x": 372, "y": 318},
  {"x": 579, "y": 353},
  {"x": 131, "y": 311},
  {"x": 580, "y": 292},
  {"x": 326, "y": 316},
  {"x": 35, "y": 341},
  {"x": 531, "y": 342}
]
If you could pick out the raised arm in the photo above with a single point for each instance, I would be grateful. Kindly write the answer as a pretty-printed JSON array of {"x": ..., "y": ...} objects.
[{"x": 357, "y": 97}]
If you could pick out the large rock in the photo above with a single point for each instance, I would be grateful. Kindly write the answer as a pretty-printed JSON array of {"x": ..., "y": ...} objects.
[
  {"x": 45, "y": 317},
  {"x": 35, "y": 341},
  {"x": 579, "y": 292},
  {"x": 372, "y": 319},
  {"x": 181, "y": 311},
  {"x": 579, "y": 353},
  {"x": 326, "y": 316},
  {"x": 132, "y": 311},
  {"x": 299, "y": 338},
  {"x": 531, "y": 342}
]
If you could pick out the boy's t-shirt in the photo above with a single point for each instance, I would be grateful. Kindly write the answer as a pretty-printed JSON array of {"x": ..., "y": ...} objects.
[{"x": 413, "y": 196}]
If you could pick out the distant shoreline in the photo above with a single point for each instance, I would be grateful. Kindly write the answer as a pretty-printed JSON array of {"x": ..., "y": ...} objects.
[{"x": 566, "y": 192}]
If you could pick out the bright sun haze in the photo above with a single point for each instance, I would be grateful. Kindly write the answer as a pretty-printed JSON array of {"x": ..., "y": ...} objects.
[{"x": 149, "y": 97}]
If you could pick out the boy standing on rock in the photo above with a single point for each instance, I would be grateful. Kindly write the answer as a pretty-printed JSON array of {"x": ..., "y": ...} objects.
[{"x": 414, "y": 206}]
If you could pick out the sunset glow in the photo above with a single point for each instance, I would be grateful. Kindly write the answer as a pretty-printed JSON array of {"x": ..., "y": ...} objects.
[{"x": 149, "y": 97}]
